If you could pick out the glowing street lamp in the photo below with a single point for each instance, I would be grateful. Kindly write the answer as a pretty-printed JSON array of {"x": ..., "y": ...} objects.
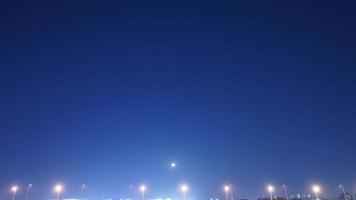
[
  {"x": 316, "y": 190},
  {"x": 184, "y": 188},
  {"x": 14, "y": 190},
  {"x": 285, "y": 191},
  {"x": 143, "y": 190},
  {"x": 58, "y": 189},
  {"x": 28, "y": 191},
  {"x": 343, "y": 190},
  {"x": 270, "y": 189},
  {"x": 83, "y": 187},
  {"x": 227, "y": 190}
]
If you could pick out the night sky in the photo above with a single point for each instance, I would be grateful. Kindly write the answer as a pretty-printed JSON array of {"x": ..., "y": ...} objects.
[{"x": 108, "y": 93}]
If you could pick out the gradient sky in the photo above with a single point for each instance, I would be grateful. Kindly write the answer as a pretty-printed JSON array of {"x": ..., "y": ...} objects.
[{"x": 108, "y": 93}]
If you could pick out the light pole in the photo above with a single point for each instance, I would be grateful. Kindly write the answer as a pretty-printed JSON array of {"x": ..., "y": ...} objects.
[
  {"x": 14, "y": 190},
  {"x": 270, "y": 189},
  {"x": 232, "y": 192},
  {"x": 58, "y": 189},
  {"x": 227, "y": 190},
  {"x": 83, "y": 188},
  {"x": 143, "y": 190},
  {"x": 184, "y": 188},
  {"x": 316, "y": 190},
  {"x": 285, "y": 191},
  {"x": 343, "y": 190},
  {"x": 28, "y": 191}
]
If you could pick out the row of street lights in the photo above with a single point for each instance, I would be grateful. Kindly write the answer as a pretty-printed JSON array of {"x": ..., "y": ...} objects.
[
  {"x": 184, "y": 188},
  {"x": 316, "y": 189},
  {"x": 57, "y": 189},
  {"x": 270, "y": 188}
]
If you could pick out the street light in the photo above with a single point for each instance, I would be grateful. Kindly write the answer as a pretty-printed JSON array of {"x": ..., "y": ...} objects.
[
  {"x": 270, "y": 189},
  {"x": 343, "y": 190},
  {"x": 143, "y": 190},
  {"x": 28, "y": 191},
  {"x": 184, "y": 188},
  {"x": 316, "y": 190},
  {"x": 58, "y": 189},
  {"x": 14, "y": 190},
  {"x": 285, "y": 191},
  {"x": 227, "y": 190}
]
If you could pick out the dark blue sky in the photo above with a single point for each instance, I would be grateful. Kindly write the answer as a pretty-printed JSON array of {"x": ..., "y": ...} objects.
[{"x": 107, "y": 93}]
